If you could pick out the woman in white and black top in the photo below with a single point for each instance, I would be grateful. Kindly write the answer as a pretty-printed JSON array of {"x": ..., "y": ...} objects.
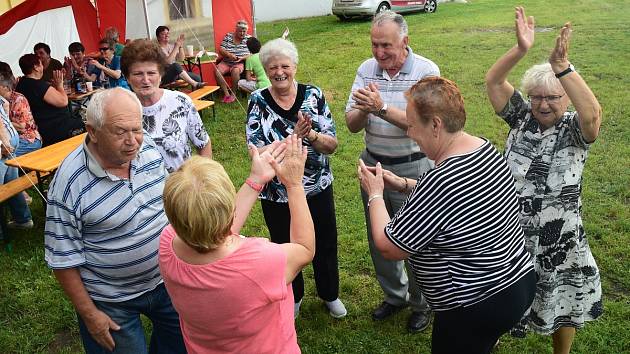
[{"x": 459, "y": 226}]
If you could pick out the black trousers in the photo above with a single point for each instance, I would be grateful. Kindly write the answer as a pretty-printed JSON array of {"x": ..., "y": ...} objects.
[
  {"x": 172, "y": 71},
  {"x": 325, "y": 266},
  {"x": 475, "y": 329}
]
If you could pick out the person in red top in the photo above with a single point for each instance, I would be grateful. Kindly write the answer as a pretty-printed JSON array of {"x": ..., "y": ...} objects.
[{"x": 233, "y": 294}]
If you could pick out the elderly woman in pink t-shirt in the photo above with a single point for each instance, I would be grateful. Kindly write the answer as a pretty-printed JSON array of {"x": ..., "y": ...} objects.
[{"x": 233, "y": 294}]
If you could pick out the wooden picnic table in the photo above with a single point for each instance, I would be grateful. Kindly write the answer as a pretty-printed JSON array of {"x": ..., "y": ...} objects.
[
  {"x": 46, "y": 160},
  {"x": 191, "y": 61},
  {"x": 77, "y": 96}
]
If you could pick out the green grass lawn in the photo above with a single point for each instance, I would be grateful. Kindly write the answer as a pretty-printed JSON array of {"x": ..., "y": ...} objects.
[{"x": 464, "y": 40}]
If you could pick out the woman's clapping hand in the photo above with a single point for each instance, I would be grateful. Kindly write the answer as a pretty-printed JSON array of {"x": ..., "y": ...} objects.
[
  {"x": 524, "y": 29},
  {"x": 261, "y": 170},
  {"x": 291, "y": 170},
  {"x": 371, "y": 180},
  {"x": 559, "y": 57}
]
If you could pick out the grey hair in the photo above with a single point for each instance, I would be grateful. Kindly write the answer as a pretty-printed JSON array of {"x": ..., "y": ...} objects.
[
  {"x": 542, "y": 76},
  {"x": 96, "y": 108},
  {"x": 390, "y": 16},
  {"x": 242, "y": 24},
  {"x": 278, "y": 48}
]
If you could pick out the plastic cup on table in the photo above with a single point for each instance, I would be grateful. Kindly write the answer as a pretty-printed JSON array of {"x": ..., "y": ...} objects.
[
  {"x": 189, "y": 50},
  {"x": 88, "y": 85}
]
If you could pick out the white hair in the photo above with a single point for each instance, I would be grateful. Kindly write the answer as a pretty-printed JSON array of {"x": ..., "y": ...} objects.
[
  {"x": 96, "y": 108},
  {"x": 390, "y": 16},
  {"x": 278, "y": 48},
  {"x": 540, "y": 76}
]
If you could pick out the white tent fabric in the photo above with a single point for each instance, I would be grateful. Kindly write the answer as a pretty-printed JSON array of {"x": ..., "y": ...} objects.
[{"x": 52, "y": 26}]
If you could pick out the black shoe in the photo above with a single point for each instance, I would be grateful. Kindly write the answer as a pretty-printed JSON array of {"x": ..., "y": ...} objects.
[
  {"x": 385, "y": 310},
  {"x": 418, "y": 321}
]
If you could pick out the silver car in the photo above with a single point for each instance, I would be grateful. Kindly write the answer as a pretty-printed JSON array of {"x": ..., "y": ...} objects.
[{"x": 350, "y": 8}]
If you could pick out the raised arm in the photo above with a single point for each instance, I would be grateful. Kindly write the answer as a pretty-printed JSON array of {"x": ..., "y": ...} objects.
[
  {"x": 583, "y": 99},
  {"x": 261, "y": 172},
  {"x": 56, "y": 95},
  {"x": 301, "y": 250},
  {"x": 498, "y": 88},
  {"x": 176, "y": 53}
]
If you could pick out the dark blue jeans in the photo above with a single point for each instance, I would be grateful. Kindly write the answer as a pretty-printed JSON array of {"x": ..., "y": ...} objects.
[{"x": 156, "y": 305}]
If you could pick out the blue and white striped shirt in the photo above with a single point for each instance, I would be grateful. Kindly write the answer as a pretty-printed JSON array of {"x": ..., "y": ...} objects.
[
  {"x": 107, "y": 227},
  {"x": 382, "y": 137}
]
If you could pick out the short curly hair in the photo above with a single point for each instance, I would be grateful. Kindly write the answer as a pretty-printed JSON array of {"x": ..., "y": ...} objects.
[
  {"x": 438, "y": 96},
  {"x": 142, "y": 50}
]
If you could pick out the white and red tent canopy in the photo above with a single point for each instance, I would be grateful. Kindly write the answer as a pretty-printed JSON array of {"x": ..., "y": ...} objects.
[{"x": 61, "y": 22}]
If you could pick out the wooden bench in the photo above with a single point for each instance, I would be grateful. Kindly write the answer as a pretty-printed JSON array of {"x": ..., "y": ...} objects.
[
  {"x": 18, "y": 185},
  {"x": 10, "y": 189},
  {"x": 203, "y": 92},
  {"x": 200, "y": 105}
]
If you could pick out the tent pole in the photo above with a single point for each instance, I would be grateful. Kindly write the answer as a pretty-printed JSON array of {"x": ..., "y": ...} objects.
[
  {"x": 253, "y": 17},
  {"x": 145, "y": 8}
]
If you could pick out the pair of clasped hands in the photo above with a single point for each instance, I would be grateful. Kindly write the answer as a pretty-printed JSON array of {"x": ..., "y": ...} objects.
[{"x": 367, "y": 99}]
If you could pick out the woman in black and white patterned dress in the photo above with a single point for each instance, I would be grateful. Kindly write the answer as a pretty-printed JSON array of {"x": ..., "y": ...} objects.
[{"x": 546, "y": 149}]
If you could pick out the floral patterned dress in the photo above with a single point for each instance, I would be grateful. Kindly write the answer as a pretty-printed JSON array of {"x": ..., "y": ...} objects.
[{"x": 547, "y": 166}]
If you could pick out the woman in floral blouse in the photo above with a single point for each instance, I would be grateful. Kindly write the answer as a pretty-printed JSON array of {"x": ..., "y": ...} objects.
[
  {"x": 546, "y": 149},
  {"x": 20, "y": 115}
]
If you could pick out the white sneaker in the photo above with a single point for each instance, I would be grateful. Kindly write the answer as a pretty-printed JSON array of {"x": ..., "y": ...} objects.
[
  {"x": 296, "y": 309},
  {"x": 336, "y": 308}
]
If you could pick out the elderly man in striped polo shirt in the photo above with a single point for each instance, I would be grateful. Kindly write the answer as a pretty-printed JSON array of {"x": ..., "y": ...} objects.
[
  {"x": 103, "y": 223},
  {"x": 233, "y": 51},
  {"x": 377, "y": 105}
]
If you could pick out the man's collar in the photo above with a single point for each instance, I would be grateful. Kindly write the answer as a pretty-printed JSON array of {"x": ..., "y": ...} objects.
[
  {"x": 407, "y": 65},
  {"x": 90, "y": 161}
]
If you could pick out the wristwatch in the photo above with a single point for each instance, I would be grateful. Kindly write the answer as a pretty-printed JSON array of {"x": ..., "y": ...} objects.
[
  {"x": 566, "y": 71},
  {"x": 383, "y": 111}
]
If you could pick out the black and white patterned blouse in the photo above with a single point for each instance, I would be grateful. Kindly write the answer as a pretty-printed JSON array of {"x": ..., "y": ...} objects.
[{"x": 268, "y": 122}]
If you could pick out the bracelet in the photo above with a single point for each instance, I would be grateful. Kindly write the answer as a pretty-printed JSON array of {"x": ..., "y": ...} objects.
[
  {"x": 255, "y": 186},
  {"x": 404, "y": 189},
  {"x": 375, "y": 196},
  {"x": 316, "y": 137}
]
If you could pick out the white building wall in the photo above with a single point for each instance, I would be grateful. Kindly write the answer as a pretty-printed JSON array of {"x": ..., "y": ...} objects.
[{"x": 271, "y": 10}]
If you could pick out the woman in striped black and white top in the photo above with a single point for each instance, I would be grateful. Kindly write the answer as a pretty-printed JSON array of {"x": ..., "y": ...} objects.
[{"x": 459, "y": 226}]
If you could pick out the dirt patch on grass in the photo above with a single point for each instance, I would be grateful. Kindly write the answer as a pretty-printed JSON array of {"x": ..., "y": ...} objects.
[
  {"x": 616, "y": 291},
  {"x": 64, "y": 340}
]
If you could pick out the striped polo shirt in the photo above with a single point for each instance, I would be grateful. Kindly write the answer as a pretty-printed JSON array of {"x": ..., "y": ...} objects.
[
  {"x": 461, "y": 226},
  {"x": 238, "y": 49},
  {"x": 105, "y": 226},
  {"x": 382, "y": 137}
]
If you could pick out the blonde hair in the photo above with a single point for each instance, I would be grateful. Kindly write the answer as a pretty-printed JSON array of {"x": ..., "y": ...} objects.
[
  {"x": 539, "y": 76},
  {"x": 199, "y": 203}
]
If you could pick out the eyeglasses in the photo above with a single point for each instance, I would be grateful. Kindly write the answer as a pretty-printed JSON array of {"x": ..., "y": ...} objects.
[
  {"x": 103, "y": 49},
  {"x": 550, "y": 99}
]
